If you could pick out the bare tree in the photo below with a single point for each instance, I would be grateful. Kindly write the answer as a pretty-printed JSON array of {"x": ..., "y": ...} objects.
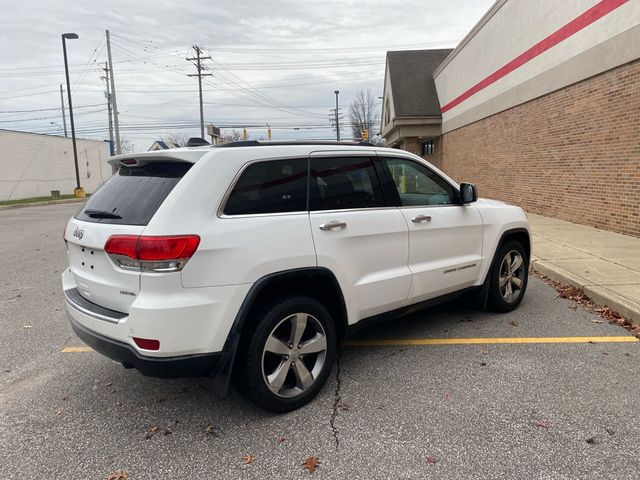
[
  {"x": 231, "y": 136},
  {"x": 363, "y": 114},
  {"x": 179, "y": 139},
  {"x": 125, "y": 145}
]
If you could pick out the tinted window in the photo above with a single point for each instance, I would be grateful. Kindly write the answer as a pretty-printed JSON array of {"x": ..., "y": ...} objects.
[
  {"x": 419, "y": 185},
  {"x": 270, "y": 187},
  {"x": 133, "y": 194},
  {"x": 339, "y": 183}
]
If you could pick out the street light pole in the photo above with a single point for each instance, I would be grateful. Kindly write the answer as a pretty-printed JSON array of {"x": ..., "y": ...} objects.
[
  {"x": 79, "y": 191},
  {"x": 337, "y": 92}
]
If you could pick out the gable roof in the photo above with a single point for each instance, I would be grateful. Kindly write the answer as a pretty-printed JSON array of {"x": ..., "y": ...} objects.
[
  {"x": 158, "y": 145},
  {"x": 411, "y": 78}
]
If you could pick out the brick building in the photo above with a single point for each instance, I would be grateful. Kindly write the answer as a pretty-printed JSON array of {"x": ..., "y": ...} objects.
[{"x": 540, "y": 106}]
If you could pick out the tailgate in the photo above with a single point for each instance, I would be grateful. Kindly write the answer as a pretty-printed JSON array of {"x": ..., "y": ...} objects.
[
  {"x": 97, "y": 278},
  {"x": 123, "y": 205}
]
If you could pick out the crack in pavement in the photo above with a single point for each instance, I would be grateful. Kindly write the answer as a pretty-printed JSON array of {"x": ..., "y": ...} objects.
[{"x": 336, "y": 401}]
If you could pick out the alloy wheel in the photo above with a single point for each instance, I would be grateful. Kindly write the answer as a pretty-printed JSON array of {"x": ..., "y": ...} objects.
[
  {"x": 294, "y": 355},
  {"x": 512, "y": 276}
]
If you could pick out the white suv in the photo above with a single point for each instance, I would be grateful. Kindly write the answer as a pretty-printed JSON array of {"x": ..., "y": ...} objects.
[{"x": 259, "y": 256}]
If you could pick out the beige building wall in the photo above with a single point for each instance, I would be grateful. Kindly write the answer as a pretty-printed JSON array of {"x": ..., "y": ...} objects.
[
  {"x": 603, "y": 34},
  {"x": 31, "y": 165}
]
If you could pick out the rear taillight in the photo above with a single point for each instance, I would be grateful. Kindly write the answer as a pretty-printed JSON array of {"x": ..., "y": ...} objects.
[{"x": 152, "y": 254}]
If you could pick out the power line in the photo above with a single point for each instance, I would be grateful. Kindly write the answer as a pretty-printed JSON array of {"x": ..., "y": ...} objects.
[{"x": 47, "y": 109}]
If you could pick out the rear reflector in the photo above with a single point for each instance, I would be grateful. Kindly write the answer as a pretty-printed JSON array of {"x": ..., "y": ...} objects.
[
  {"x": 147, "y": 343},
  {"x": 159, "y": 254}
]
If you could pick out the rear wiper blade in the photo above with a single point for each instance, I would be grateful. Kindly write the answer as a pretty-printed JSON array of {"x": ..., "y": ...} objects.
[{"x": 101, "y": 214}]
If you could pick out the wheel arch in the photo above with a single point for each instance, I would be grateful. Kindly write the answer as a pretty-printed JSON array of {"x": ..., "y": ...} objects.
[
  {"x": 520, "y": 234},
  {"x": 316, "y": 282}
]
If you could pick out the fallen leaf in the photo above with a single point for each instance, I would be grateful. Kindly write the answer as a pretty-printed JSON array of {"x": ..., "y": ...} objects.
[
  {"x": 118, "y": 475},
  {"x": 248, "y": 459},
  {"x": 311, "y": 464},
  {"x": 380, "y": 407},
  {"x": 543, "y": 424},
  {"x": 604, "y": 353},
  {"x": 18, "y": 296},
  {"x": 210, "y": 430},
  {"x": 483, "y": 364},
  {"x": 154, "y": 429},
  {"x": 59, "y": 412},
  {"x": 343, "y": 406},
  {"x": 591, "y": 440},
  {"x": 65, "y": 398},
  {"x": 513, "y": 323},
  {"x": 280, "y": 440},
  {"x": 431, "y": 459}
]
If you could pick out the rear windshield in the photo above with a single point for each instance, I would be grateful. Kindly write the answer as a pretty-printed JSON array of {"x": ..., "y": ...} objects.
[{"x": 133, "y": 194}]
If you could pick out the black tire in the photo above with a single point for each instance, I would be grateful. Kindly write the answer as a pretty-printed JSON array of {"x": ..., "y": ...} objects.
[
  {"x": 499, "y": 299},
  {"x": 254, "y": 362}
]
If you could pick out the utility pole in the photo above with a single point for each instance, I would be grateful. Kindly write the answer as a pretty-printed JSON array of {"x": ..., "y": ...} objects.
[
  {"x": 108, "y": 95},
  {"x": 337, "y": 92},
  {"x": 336, "y": 116},
  {"x": 199, "y": 67},
  {"x": 64, "y": 117},
  {"x": 114, "y": 103}
]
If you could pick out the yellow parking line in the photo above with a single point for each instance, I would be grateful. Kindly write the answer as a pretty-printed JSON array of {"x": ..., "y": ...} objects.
[
  {"x": 405, "y": 342},
  {"x": 76, "y": 349},
  {"x": 484, "y": 341}
]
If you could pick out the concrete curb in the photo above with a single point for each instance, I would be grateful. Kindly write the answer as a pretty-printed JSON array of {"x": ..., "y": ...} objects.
[
  {"x": 38, "y": 204},
  {"x": 597, "y": 294}
]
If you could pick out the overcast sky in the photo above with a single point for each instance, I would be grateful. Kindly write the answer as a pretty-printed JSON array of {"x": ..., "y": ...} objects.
[{"x": 274, "y": 62}]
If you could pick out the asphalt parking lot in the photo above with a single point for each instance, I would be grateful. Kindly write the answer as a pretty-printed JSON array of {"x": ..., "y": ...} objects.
[{"x": 397, "y": 406}]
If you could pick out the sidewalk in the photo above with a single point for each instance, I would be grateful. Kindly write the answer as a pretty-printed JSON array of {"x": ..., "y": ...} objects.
[{"x": 605, "y": 265}]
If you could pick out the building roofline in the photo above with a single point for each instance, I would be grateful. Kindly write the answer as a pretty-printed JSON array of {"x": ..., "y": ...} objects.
[
  {"x": 52, "y": 135},
  {"x": 469, "y": 36}
]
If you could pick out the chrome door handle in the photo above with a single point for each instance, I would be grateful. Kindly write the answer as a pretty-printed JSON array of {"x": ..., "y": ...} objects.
[
  {"x": 333, "y": 225},
  {"x": 421, "y": 218}
]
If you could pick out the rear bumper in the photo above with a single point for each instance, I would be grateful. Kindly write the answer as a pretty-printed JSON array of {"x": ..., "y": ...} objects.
[{"x": 198, "y": 365}]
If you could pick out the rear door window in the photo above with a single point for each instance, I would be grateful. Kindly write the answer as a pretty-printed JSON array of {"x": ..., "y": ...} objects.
[
  {"x": 133, "y": 194},
  {"x": 338, "y": 183}
]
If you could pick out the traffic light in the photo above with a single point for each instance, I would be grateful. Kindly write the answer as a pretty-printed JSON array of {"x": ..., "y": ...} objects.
[{"x": 365, "y": 135}]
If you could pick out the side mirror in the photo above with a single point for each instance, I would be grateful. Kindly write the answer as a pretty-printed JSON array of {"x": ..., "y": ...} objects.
[{"x": 468, "y": 193}]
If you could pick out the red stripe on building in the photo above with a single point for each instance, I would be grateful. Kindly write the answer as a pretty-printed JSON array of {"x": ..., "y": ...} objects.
[{"x": 596, "y": 12}]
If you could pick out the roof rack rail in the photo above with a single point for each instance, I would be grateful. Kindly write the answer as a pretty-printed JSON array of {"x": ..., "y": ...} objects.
[{"x": 258, "y": 143}]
